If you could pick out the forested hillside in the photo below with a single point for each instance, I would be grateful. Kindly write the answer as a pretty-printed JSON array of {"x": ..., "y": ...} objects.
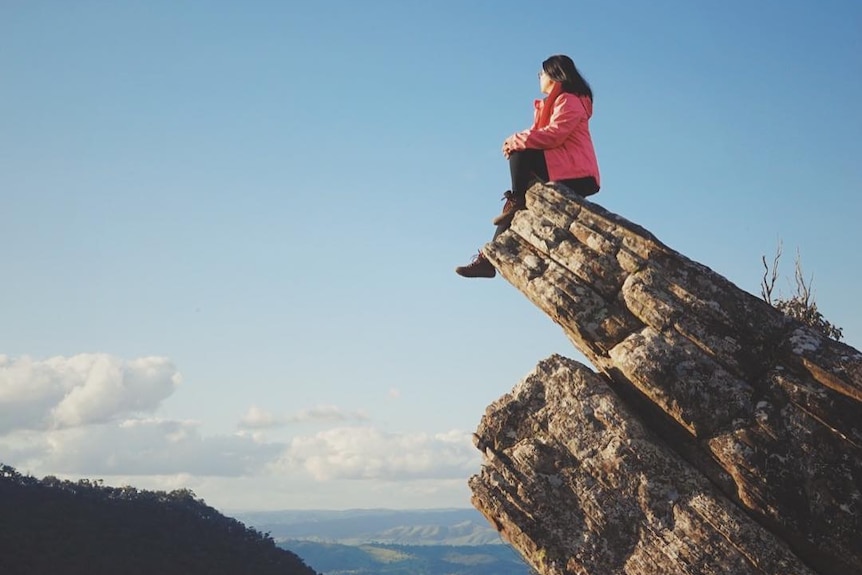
[{"x": 53, "y": 526}]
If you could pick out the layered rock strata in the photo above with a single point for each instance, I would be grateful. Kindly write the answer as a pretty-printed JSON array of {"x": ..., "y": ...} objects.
[{"x": 758, "y": 407}]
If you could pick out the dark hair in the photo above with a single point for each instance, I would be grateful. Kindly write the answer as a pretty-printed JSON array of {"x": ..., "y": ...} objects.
[{"x": 560, "y": 68}]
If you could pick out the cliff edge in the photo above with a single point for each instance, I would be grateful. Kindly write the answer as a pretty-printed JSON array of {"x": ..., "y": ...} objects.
[{"x": 715, "y": 435}]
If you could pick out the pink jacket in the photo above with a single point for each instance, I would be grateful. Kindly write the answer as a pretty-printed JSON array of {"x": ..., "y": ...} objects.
[{"x": 566, "y": 140}]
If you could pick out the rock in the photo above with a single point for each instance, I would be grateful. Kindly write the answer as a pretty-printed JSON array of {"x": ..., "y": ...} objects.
[
  {"x": 758, "y": 417},
  {"x": 583, "y": 487}
]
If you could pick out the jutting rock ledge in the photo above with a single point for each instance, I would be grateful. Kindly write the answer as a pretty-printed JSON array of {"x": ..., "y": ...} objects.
[{"x": 715, "y": 436}]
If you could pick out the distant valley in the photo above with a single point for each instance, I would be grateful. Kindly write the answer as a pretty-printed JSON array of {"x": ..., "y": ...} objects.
[
  {"x": 391, "y": 542},
  {"x": 381, "y": 559}
]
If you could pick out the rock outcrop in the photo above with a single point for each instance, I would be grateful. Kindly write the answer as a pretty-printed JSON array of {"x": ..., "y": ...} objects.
[{"x": 715, "y": 436}]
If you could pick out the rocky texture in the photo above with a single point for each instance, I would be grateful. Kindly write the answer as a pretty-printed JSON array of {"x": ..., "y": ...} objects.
[
  {"x": 580, "y": 486},
  {"x": 718, "y": 435}
]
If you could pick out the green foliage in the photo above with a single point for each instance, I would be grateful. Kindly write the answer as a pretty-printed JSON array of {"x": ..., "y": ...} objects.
[
  {"x": 56, "y": 526},
  {"x": 801, "y": 305}
]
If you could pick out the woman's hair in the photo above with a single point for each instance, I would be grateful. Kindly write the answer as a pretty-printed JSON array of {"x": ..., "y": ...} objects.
[{"x": 560, "y": 68}]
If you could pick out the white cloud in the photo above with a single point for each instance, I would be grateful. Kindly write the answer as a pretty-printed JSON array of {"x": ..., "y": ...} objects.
[
  {"x": 139, "y": 447},
  {"x": 94, "y": 416},
  {"x": 153, "y": 448},
  {"x": 258, "y": 418},
  {"x": 84, "y": 389},
  {"x": 368, "y": 453}
]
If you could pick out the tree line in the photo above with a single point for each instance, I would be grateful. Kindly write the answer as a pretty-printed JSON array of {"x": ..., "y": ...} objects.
[{"x": 51, "y": 525}]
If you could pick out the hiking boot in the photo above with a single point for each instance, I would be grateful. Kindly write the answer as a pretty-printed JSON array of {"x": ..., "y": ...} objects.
[
  {"x": 512, "y": 205},
  {"x": 480, "y": 267}
]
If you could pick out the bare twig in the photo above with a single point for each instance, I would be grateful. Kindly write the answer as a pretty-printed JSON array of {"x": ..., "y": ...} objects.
[{"x": 766, "y": 287}]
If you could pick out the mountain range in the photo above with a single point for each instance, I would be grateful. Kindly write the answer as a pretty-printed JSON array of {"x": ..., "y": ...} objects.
[
  {"x": 391, "y": 542},
  {"x": 455, "y": 527}
]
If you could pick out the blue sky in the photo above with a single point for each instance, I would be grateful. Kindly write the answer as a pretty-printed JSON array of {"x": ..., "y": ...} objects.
[{"x": 229, "y": 229}]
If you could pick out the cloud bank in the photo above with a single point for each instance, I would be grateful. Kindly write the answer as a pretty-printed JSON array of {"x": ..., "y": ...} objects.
[
  {"x": 368, "y": 453},
  {"x": 85, "y": 389},
  {"x": 96, "y": 416},
  {"x": 140, "y": 447},
  {"x": 258, "y": 418}
]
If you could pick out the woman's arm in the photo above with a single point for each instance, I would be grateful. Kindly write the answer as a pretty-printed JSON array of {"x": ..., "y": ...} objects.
[{"x": 568, "y": 113}]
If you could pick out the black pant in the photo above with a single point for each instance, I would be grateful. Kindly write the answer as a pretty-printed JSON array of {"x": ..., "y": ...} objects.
[{"x": 528, "y": 167}]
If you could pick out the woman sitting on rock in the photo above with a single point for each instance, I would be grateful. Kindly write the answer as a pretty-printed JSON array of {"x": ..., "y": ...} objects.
[{"x": 557, "y": 147}]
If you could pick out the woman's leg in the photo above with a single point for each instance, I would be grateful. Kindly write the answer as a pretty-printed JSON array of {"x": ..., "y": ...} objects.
[
  {"x": 582, "y": 186},
  {"x": 526, "y": 168}
]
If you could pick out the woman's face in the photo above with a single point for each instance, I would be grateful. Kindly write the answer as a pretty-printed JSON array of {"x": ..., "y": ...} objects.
[{"x": 545, "y": 82}]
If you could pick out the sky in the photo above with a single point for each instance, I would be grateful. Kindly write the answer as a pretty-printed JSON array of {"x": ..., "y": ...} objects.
[{"x": 228, "y": 230}]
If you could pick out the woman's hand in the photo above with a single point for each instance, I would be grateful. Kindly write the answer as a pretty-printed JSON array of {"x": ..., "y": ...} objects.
[{"x": 507, "y": 147}]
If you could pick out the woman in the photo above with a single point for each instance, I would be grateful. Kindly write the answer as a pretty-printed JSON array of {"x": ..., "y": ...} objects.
[{"x": 557, "y": 147}]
